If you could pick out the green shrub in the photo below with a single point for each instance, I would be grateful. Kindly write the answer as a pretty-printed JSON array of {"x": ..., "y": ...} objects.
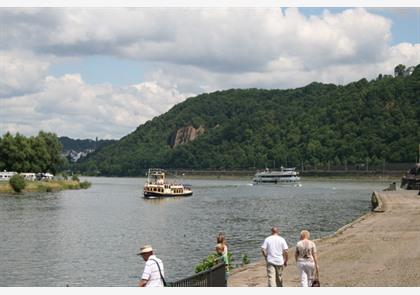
[
  {"x": 85, "y": 184},
  {"x": 75, "y": 178},
  {"x": 245, "y": 260},
  {"x": 17, "y": 182},
  {"x": 207, "y": 263},
  {"x": 211, "y": 261}
]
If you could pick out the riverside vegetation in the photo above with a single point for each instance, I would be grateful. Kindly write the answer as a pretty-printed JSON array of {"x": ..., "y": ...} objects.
[
  {"x": 212, "y": 259},
  {"x": 373, "y": 121},
  {"x": 36, "y": 154},
  {"x": 17, "y": 184}
]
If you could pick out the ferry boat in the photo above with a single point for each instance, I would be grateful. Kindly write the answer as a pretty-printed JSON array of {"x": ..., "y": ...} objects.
[
  {"x": 284, "y": 176},
  {"x": 157, "y": 187},
  {"x": 411, "y": 179}
]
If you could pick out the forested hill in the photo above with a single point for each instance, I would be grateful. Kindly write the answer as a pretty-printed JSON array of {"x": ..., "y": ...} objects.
[
  {"x": 80, "y": 145},
  {"x": 373, "y": 121}
]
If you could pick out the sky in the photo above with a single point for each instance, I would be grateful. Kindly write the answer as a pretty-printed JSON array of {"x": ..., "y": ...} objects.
[{"x": 101, "y": 72}]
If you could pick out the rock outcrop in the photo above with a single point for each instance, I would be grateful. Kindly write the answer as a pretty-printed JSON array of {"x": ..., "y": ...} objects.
[{"x": 185, "y": 135}]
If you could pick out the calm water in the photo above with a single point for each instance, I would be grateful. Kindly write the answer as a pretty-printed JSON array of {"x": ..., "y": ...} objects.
[{"x": 90, "y": 237}]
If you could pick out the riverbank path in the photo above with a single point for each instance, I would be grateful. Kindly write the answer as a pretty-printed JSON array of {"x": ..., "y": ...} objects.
[{"x": 380, "y": 249}]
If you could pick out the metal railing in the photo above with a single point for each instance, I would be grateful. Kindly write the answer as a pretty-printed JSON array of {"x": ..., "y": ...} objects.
[{"x": 213, "y": 277}]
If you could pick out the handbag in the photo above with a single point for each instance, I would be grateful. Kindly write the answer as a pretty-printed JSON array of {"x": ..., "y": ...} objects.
[
  {"x": 161, "y": 276},
  {"x": 315, "y": 282}
]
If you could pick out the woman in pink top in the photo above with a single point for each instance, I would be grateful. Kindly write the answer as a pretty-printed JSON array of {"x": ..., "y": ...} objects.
[{"x": 306, "y": 259}]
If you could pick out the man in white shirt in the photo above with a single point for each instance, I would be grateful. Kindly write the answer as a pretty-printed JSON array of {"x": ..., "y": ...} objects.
[
  {"x": 274, "y": 250},
  {"x": 153, "y": 274}
]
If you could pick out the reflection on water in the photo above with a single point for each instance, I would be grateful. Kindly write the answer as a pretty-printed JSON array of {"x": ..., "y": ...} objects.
[{"x": 91, "y": 237}]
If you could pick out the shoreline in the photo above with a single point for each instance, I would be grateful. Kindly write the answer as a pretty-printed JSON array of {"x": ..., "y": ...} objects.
[
  {"x": 361, "y": 177},
  {"x": 378, "y": 249},
  {"x": 45, "y": 186}
]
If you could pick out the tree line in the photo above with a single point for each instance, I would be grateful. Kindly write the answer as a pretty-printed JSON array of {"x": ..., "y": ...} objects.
[
  {"x": 364, "y": 121},
  {"x": 41, "y": 153}
]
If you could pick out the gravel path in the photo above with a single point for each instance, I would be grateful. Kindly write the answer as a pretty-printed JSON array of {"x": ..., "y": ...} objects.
[{"x": 380, "y": 249}]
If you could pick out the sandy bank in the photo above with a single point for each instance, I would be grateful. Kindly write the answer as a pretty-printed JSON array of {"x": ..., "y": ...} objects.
[{"x": 380, "y": 249}]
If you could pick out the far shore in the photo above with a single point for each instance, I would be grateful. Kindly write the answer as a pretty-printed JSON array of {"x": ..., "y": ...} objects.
[
  {"x": 391, "y": 177},
  {"x": 394, "y": 178},
  {"x": 44, "y": 186},
  {"x": 379, "y": 249}
]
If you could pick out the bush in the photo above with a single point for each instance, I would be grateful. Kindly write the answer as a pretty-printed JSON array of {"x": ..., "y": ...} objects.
[
  {"x": 211, "y": 261},
  {"x": 85, "y": 184},
  {"x": 245, "y": 260},
  {"x": 17, "y": 182},
  {"x": 75, "y": 178},
  {"x": 207, "y": 263}
]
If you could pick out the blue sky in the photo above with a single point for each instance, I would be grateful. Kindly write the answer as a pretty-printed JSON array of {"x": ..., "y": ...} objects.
[{"x": 98, "y": 69}]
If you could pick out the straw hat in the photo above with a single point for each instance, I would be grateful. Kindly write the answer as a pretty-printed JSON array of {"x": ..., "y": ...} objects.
[{"x": 145, "y": 249}]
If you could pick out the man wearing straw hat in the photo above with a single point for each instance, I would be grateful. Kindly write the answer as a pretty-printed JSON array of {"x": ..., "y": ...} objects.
[{"x": 153, "y": 274}]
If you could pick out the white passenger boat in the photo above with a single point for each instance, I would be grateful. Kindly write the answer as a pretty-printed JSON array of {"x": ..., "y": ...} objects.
[
  {"x": 284, "y": 176},
  {"x": 157, "y": 187}
]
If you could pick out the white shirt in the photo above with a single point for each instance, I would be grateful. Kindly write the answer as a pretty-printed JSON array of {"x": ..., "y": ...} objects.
[
  {"x": 151, "y": 272},
  {"x": 274, "y": 245}
]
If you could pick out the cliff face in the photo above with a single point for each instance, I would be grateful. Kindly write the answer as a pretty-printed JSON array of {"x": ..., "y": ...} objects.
[{"x": 185, "y": 135}]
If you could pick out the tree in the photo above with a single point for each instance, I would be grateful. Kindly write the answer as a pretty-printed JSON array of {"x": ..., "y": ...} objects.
[
  {"x": 399, "y": 70},
  {"x": 250, "y": 128},
  {"x": 17, "y": 182},
  {"x": 41, "y": 153}
]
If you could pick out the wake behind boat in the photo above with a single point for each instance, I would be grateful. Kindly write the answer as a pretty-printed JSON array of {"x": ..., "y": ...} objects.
[
  {"x": 157, "y": 187},
  {"x": 284, "y": 176}
]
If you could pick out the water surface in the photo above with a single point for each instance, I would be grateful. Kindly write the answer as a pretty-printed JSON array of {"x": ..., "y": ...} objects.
[{"x": 90, "y": 237}]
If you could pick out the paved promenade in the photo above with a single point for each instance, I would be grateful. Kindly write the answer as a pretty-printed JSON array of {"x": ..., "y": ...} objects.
[{"x": 380, "y": 249}]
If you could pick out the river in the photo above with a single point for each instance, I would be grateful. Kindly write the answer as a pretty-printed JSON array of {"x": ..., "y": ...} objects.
[{"x": 91, "y": 237}]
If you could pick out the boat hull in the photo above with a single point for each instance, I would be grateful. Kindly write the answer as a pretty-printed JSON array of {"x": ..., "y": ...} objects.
[
  {"x": 154, "y": 195},
  {"x": 276, "y": 181}
]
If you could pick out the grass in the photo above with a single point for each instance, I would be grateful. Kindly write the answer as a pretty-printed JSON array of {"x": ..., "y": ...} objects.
[{"x": 46, "y": 186}]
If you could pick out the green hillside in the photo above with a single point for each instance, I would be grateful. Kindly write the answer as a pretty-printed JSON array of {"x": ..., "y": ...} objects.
[{"x": 376, "y": 120}]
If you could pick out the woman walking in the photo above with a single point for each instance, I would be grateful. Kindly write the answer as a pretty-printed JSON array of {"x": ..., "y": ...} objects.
[{"x": 306, "y": 259}]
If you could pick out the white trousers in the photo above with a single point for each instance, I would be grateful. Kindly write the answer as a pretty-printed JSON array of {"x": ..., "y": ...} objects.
[{"x": 307, "y": 272}]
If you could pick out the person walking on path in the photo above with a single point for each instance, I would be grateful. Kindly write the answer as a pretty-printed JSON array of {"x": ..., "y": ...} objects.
[
  {"x": 153, "y": 274},
  {"x": 274, "y": 249},
  {"x": 306, "y": 259}
]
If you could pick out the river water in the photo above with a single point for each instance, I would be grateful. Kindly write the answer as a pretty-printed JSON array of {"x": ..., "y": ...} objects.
[{"x": 91, "y": 237}]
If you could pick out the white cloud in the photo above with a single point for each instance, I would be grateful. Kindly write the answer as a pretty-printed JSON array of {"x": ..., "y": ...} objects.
[
  {"x": 68, "y": 106},
  {"x": 189, "y": 50},
  {"x": 21, "y": 72},
  {"x": 217, "y": 39}
]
